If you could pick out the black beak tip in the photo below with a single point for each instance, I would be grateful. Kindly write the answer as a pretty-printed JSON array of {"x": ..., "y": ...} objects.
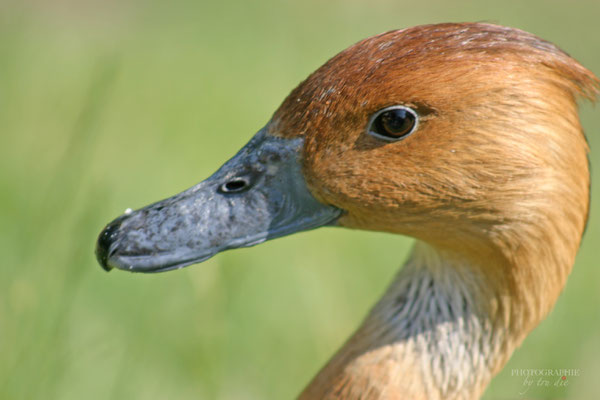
[
  {"x": 105, "y": 239},
  {"x": 102, "y": 257}
]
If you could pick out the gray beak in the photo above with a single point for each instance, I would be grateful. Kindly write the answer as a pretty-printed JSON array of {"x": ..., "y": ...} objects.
[{"x": 259, "y": 194}]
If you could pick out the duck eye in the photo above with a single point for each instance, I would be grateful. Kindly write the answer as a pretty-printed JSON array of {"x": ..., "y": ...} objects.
[{"x": 393, "y": 123}]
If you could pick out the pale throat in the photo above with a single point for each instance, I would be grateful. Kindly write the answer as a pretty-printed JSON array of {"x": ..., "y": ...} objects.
[
  {"x": 429, "y": 337},
  {"x": 433, "y": 314}
]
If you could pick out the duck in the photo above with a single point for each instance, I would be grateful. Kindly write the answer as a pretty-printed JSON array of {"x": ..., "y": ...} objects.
[{"x": 463, "y": 136}]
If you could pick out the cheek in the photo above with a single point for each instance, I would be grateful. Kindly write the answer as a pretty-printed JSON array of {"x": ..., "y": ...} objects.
[
  {"x": 399, "y": 220},
  {"x": 380, "y": 185},
  {"x": 372, "y": 188}
]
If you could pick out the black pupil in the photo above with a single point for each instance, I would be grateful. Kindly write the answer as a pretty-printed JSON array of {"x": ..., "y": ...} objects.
[{"x": 394, "y": 123}]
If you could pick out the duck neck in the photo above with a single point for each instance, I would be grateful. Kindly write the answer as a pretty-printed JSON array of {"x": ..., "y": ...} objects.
[{"x": 442, "y": 330}]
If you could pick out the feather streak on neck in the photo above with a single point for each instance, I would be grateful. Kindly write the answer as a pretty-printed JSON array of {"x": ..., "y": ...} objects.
[{"x": 429, "y": 337}]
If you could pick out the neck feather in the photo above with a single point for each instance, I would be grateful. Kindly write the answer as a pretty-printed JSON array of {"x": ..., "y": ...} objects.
[{"x": 442, "y": 330}]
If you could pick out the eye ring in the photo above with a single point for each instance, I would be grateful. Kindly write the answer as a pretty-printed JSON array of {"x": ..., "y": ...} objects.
[{"x": 393, "y": 123}]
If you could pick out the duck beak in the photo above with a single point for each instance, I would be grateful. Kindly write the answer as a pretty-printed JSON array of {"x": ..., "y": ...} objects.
[{"x": 259, "y": 194}]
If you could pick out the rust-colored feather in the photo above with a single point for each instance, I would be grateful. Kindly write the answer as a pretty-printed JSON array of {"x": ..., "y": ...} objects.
[{"x": 496, "y": 175}]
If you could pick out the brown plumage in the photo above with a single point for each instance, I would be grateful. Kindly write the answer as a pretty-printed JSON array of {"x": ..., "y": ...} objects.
[
  {"x": 491, "y": 178},
  {"x": 495, "y": 182}
]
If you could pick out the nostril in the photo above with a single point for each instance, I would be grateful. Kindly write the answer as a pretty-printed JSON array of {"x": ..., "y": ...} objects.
[{"x": 235, "y": 185}]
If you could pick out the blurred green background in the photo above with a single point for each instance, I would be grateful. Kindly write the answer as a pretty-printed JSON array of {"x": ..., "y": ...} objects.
[{"x": 106, "y": 105}]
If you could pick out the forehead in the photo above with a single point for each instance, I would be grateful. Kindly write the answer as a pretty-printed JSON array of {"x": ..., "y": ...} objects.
[{"x": 422, "y": 66}]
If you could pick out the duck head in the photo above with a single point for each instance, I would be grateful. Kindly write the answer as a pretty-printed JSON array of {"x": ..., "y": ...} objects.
[{"x": 465, "y": 136}]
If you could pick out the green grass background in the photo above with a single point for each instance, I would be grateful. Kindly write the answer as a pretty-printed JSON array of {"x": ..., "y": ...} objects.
[{"x": 106, "y": 105}]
